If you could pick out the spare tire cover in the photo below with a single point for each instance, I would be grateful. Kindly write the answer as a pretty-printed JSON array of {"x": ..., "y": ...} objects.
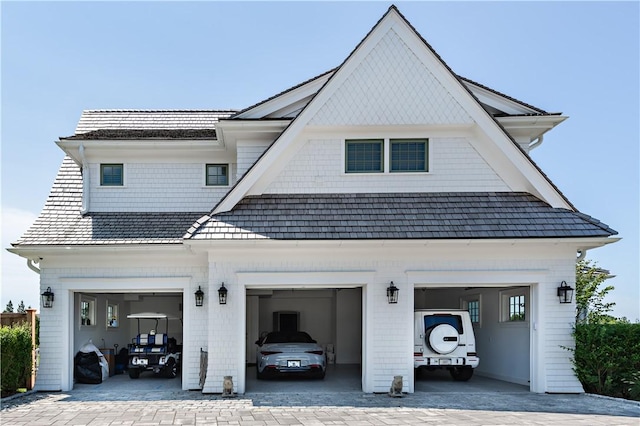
[{"x": 443, "y": 338}]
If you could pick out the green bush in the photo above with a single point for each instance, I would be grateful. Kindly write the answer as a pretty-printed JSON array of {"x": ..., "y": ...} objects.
[
  {"x": 607, "y": 358},
  {"x": 15, "y": 364}
]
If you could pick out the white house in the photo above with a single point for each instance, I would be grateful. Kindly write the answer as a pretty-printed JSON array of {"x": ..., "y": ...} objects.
[{"x": 388, "y": 168}]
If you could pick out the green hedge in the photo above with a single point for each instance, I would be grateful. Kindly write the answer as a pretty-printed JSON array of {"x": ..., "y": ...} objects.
[
  {"x": 15, "y": 347},
  {"x": 607, "y": 359}
]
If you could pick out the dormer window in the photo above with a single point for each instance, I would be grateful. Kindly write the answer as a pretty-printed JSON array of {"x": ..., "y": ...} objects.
[
  {"x": 217, "y": 174},
  {"x": 111, "y": 175}
]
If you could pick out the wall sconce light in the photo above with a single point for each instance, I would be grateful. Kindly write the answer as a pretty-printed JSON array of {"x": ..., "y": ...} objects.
[
  {"x": 392, "y": 293},
  {"x": 47, "y": 298},
  {"x": 199, "y": 296},
  {"x": 565, "y": 293},
  {"x": 222, "y": 294}
]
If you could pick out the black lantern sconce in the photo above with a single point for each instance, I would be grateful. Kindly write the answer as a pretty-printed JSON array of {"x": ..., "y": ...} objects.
[
  {"x": 392, "y": 293},
  {"x": 565, "y": 293},
  {"x": 222, "y": 294},
  {"x": 199, "y": 296},
  {"x": 47, "y": 298}
]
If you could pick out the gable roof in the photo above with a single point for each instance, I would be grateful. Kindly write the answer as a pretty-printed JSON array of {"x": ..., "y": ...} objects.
[
  {"x": 381, "y": 216},
  {"x": 517, "y": 164}
]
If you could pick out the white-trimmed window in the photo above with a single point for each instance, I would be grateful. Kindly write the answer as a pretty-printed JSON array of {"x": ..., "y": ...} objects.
[
  {"x": 113, "y": 318},
  {"x": 514, "y": 305},
  {"x": 87, "y": 310},
  {"x": 364, "y": 156},
  {"x": 111, "y": 174},
  {"x": 409, "y": 155},
  {"x": 217, "y": 174},
  {"x": 472, "y": 303}
]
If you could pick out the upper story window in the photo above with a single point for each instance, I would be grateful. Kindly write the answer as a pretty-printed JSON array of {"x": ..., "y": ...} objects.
[
  {"x": 364, "y": 156},
  {"x": 408, "y": 155},
  {"x": 111, "y": 175},
  {"x": 217, "y": 174}
]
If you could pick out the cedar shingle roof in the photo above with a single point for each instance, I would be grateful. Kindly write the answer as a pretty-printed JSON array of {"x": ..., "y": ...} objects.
[
  {"x": 129, "y": 134},
  {"x": 459, "y": 215},
  {"x": 91, "y": 120}
]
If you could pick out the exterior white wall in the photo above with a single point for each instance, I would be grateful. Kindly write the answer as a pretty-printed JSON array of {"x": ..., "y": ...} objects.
[
  {"x": 387, "y": 329},
  {"x": 248, "y": 153},
  {"x": 319, "y": 167},
  {"x": 157, "y": 187},
  {"x": 108, "y": 273}
]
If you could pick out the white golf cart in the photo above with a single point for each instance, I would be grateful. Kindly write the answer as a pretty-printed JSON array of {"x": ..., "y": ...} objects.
[{"x": 153, "y": 351}]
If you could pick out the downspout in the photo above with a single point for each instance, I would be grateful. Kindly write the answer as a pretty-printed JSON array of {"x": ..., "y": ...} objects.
[
  {"x": 536, "y": 142},
  {"x": 34, "y": 268},
  {"x": 581, "y": 255},
  {"x": 85, "y": 182}
]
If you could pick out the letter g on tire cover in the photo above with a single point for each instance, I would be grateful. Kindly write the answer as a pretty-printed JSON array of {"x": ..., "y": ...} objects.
[{"x": 443, "y": 339}]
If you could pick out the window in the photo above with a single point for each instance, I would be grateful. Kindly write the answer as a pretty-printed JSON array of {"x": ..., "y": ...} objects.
[
  {"x": 217, "y": 174},
  {"x": 112, "y": 315},
  {"x": 364, "y": 156},
  {"x": 408, "y": 155},
  {"x": 516, "y": 308},
  {"x": 87, "y": 310},
  {"x": 471, "y": 303},
  {"x": 513, "y": 305},
  {"x": 111, "y": 175}
]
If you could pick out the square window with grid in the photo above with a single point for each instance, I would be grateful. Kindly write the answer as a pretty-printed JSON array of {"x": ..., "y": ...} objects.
[
  {"x": 364, "y": 156},
  {"x": 217, "y": 174},
  {"x": 517, "y": 308},
  {"x": 111, "y": 174},
  {"x": 409, "y": 155}
]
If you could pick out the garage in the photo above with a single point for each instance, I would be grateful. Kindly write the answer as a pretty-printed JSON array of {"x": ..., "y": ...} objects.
[
  {"x": 101, "y": 319},
  {"x": 331, "y": 316},
  {"x": 500, "y": 317}
]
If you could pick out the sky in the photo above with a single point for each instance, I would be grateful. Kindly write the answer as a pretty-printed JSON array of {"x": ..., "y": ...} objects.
[{"x": 578, "y": 58}]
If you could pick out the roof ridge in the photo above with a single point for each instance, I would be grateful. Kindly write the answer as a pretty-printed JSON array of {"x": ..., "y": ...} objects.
[{"x": 157, "y": 110}]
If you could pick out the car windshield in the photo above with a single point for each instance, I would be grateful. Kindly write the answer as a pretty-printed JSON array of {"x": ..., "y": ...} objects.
[{"x": 288, "y": 337}]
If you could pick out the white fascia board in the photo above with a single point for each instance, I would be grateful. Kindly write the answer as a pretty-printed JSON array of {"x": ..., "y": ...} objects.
[
  {"x": 41, "y": 251},
  {"x": 173, "y": 149},
  {"x": 498, "y": 102},
  {"x": 217, "y": 248},
  {"x": 530, "y": 126},
  {"x": 286, "y": 99}
]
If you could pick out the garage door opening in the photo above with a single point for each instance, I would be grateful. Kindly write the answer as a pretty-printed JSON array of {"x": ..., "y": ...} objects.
[
  {"x": 501, "y": 318},
  {"x": 100, "y": 319},
  {"x": 332, "y": 317}
]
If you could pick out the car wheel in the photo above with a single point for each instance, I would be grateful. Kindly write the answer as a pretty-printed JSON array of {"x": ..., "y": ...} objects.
[
  {"x": 461, "y": 374},
  {"x": 134, "y": 373},
  {"x": 320, "y": 375},
  {"x": 171, "y": 369},
  {"x": 260, "y": 375}
]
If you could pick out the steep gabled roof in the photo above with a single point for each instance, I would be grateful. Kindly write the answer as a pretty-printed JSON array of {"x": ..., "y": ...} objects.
[{"x": 516, "y": 164}]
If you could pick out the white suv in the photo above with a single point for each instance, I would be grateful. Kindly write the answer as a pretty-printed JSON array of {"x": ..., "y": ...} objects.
[{"x": 443, "y": 338}]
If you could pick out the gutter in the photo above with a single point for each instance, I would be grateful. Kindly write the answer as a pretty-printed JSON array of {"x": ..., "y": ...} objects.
[{"x": 85, "y": 181}]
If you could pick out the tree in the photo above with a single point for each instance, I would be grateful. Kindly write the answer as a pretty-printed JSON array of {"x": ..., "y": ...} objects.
[
  {"x": 590, "y": 305},
  {"x": 21, "y": 309},
  {"x": 9, "y": 308}
]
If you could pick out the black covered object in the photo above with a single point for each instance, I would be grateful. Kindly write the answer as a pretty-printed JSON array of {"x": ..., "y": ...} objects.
[{"x": 87, "y": 368}]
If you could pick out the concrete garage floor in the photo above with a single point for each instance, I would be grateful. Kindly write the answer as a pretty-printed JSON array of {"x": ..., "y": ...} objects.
[{"x": 339, "y": 378}]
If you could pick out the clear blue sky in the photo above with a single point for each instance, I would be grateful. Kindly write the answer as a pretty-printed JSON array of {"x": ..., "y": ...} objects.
[{"x": 578, "y": 58}]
